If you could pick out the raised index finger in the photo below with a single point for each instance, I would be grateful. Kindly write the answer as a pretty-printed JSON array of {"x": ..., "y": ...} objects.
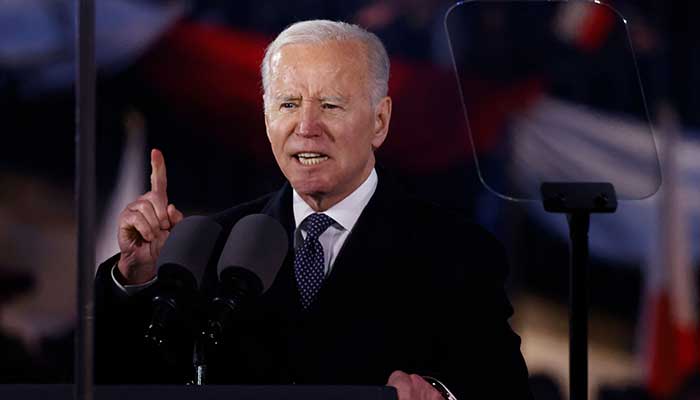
[{"x": 159, "y": 179}]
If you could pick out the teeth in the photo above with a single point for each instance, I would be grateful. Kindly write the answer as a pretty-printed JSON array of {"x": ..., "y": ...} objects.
[
  {"x": 311, "y": 158},
  {"x": 309, "y": 155},
  {"x": 312, "y": 161}
]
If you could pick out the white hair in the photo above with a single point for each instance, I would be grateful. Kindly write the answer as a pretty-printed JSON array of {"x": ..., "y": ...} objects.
[{"x": 319, "y": 31}]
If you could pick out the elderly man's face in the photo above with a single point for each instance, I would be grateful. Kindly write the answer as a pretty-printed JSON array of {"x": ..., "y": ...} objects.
[{"x": 321, "y": 121}]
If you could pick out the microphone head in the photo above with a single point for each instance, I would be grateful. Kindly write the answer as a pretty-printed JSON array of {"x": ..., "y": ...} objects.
[
  {"x": 187, "y": 251},
  {"x": 257, "y": 243}
]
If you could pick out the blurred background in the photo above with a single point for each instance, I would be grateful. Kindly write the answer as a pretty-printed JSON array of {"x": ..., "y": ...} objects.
[{"x": 183, "y": 76}]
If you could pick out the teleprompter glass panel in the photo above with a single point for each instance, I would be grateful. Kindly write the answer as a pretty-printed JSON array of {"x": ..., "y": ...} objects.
[{"x": 551, "y": 93}]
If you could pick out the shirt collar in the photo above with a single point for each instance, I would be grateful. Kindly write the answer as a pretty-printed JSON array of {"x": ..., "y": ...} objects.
[{"x": 346, "y": 212}]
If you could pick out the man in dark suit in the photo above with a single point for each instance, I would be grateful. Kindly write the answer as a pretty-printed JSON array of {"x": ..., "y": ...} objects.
[{"x": 374, "y": 282}]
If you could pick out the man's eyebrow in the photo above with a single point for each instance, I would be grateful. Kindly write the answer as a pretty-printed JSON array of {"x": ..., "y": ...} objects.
[
  {"x": 323, "y": 99},
  {"x": 287, "y": 97},
  {"x": 333, "y": 99}
]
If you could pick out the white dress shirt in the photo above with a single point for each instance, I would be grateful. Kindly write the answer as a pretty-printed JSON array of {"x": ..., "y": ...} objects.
[{"x": 345, "y": 215}]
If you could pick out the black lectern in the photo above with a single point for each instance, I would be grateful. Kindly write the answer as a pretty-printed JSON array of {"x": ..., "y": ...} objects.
[{"x": 213, "y": 392}]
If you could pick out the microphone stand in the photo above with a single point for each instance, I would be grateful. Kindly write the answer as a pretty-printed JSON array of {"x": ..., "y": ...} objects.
[
  {"x": 206, "y": 341},
  {"x": 236, "y": 286},
  {"x": 210, "y": 337},
  {"x": 200, "y": 365},
  {"x": 578, "y": 201}
]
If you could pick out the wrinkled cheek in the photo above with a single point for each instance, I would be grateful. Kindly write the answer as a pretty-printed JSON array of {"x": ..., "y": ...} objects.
[
  {"x": 277, "y": 148},
  {"x": 286, "y": 165}
]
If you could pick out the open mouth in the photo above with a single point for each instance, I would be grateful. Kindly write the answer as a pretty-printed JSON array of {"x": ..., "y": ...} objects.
[{"x": 311, "y": 158}]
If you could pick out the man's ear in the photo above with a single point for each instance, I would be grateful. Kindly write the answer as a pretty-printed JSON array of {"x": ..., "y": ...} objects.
[{"x": 382, "y": 116}]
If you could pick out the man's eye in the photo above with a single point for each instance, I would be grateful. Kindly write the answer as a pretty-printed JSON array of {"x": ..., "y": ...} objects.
[
  {"x": 287, "y": 105},
  {"x": 329, "y": 106}
]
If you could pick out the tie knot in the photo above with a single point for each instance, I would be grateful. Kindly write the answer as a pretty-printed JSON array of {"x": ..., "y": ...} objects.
[{"x": 315, "y": 224}]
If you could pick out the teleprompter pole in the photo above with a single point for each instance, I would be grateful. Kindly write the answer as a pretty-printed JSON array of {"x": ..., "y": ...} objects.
[
  {"x": 578, "y": 200},
  {"x": 578, "y": 305}
]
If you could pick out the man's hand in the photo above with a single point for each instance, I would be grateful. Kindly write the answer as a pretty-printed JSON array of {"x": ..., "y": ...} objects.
[
  {"x": 412, "y": 387},
  {"x": 144, "y": 225}
]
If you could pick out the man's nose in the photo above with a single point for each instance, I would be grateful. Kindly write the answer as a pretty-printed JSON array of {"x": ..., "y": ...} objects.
[{"x": 309, "y": 121}]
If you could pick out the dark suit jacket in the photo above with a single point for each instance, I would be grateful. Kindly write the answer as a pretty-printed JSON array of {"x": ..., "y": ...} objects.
[{"x": 414, "y": 288}]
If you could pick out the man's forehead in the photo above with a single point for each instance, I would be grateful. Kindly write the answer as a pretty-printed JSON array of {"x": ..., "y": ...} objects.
[{"x": 332, "y": 53}]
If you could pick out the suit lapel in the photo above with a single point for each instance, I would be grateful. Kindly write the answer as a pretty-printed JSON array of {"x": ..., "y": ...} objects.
[{"x": 279, "y": 207}]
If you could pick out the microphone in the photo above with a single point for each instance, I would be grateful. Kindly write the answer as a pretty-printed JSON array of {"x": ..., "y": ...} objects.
[
  {"x": 252, "y": 256},
  {"x": 180, "y": 267}
]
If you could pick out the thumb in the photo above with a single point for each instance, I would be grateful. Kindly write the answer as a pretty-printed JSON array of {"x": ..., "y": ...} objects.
[
  {"x": 398, "y": 377},
  {"x": 402, "y": 383},
  {"x": 174, "y": 215}
]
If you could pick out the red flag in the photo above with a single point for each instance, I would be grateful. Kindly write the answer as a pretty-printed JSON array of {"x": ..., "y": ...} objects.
[{"x": 670, "y": 336}]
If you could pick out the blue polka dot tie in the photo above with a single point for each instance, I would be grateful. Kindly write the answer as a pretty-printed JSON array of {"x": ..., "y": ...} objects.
[{"x": 308, "y": 259}]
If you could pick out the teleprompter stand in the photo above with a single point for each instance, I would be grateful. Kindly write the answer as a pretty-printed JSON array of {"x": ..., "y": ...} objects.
[{"x": 578, "y": 201}]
